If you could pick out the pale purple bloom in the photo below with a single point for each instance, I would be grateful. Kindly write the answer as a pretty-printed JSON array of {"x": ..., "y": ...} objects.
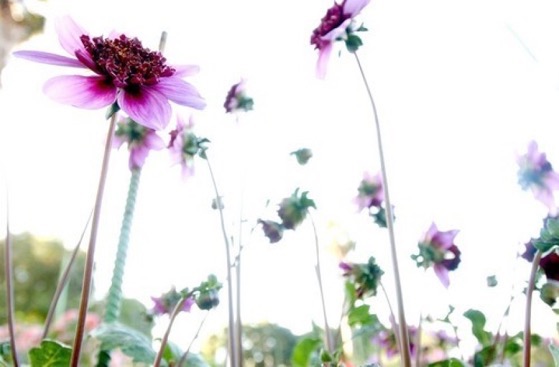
[
  {"x": 167, "y": 302},
  {"x": 237, "y": 98},
  {"x": 370, "y": 192},
  {"x": 537, "y": 174},
  {"x": 437, "y": 249},
  {"x": 183, "y": 146},
  {"x": 334, "y": 26},
  {"x": 141, "y": 140},
  {"x": 137, "y": 79}
]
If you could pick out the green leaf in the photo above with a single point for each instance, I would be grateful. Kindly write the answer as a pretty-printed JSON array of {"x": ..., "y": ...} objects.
[
  {"x": 303, "y": 351},
  {"x": 453, "y": 362},
  {"x": 478, "y": 323},
  {"x": 555, "y": 353},
  {"x": 50, "y": 354},
  {"x": 194, "y": 360},
  {"x": 131, "y": 342},
  {"x": 361, "y": 316}
]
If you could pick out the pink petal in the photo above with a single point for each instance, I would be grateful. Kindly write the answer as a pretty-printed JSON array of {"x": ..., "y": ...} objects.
[
  {"x": 442, "y": 274},
  {"x": 69, "y": 33},
  {"x": 138, "y": 157},
  {"x": 354, "y": 7},
  {"x": 337, "y": 32},
  {"x": 48, "y": 58},
  {"x": 180, "y": 92},
  {"x": 149, "y": 107},
  {"x": 88, "y": 92},
  {"x": 431, "y": 232},
  {"x": 154, "y": 141},
  {"x": 322, "y": 63},
  {"x": 183, "y": 71}
]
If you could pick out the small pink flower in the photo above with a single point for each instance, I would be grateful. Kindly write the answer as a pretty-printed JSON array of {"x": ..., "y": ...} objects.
[
  {"x": 437, "y": 249},
  {"x": 168, "y": 301},
  {"x": 141, "y": 140},
  {"x": 536, "y": 173},
  {"x": 237, "y": 98},
  {"x": 370, "y": 192},
  {"x": 125, "y": 72},
  {"x": 184, "y": 145},
  {"x": 336, "y": 25}
]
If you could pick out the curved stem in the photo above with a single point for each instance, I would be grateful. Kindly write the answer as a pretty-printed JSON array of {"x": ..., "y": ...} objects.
[
  {"x": 176, "y": 311},
  {"x": 329, "y": 342},
  {"x": 185, "y": 354},
  {"x": 63, "y": 281},
  {"x": 114, "y": 298},
  {"x": 404, "y": 340},
  {"x": 90, "y": 256},
  {"x": 232, "y": 334},
  {"x": 9, "y": 274},
  {"x": 528, "y": 310}
]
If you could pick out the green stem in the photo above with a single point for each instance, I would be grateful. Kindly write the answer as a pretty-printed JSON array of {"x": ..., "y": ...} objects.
[
  {"x": 404, "y": 338},
  {"x": 9, "y": 274},
  {"x": 233, "y": 352},
  {"x": 528, "y": 310},
  {"x": 114, "y": 298},
  {"x": 90, "y": 256}
]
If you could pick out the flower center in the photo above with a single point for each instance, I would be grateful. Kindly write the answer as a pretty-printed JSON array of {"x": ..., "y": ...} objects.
[
  {"x": 126, "y": 62},
  {"x": 334, "y": 18}
]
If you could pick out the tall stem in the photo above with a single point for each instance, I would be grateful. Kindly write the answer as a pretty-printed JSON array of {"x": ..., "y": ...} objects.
[
  {"x": 328, "y": 336},
  {"x": 528, "y": 310},
  {"x": 9, "y": 274},
  {"x": 233, "y": 352},
  {"x": 404, "y": 339},
  {"x": 90, "y": 256},
  {"x": 114, "y": 298}
]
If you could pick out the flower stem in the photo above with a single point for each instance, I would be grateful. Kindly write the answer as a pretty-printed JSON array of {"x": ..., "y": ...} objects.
[
  {"x": 90, "y": 256},
  {"x": 9, "y": 274},
  {"x": 233, "y": 352},
  {"x": 63, "y": 281},
  {"x": 404, "y": 339},
  {"x": 328, "y": 336},
  {"x": 114, "y": 298},
  {"x": 185, "y": 354},
  {"x": 176, "y": 311},
  {"x": 528, "y": 309}
]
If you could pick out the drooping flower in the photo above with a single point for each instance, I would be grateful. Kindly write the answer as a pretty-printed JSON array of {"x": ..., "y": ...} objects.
[
  {"x": 370, "y": 192},
  {"x": 272, "y": 230},
  {"x": 337, "y": 24},
  {"x": 167, "y": 302},
  {"x": 184, "y": 145},
  {"x": 536, "y": 173},
  {"x": 437, "y": 250},
  {"x": 302, "y": 155},
  {"x": 136, "y": 78},
  {"x": 140, "y": 139},
  {"x": 550, "y": 266},
  {"x": 293, "y": 210},
  {"x": 364, "y": 278},
  {"x": 237, "y": 99}
]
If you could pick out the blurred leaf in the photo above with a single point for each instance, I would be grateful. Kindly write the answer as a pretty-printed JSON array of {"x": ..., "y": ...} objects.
[
  {"x": 485, "y": 356},
  {"x": 361, "y": 316},
  {"x": 478, "y": 323},
  {"x": 304, "y": 350},
  {"x": 51, "y": 353},
  {"x": 453, "y": 362},
  {"x": 194, "y": 360},
  {"x": 131, "y": 342},
  {"x": 555, "y": 353}
]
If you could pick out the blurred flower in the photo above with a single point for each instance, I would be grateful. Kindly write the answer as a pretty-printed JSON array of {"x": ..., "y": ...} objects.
[
  {"x": 370, "y": 192},
  {"x": 166, "y": 303},
  {"x": 437, "y": 249},
  {"x": 184, "y": 145},
  {"x": 550, "y": 266},
  {"x": 272, "y": 230},
  {"x": 206, "y": 295},
  {"x": 141, "y": 140},
  {"x": 137, "y": 79},
  {"x": 536, "y": 173},
  {"x": 529, "y": 251},
  {"x": 293, "y": 210},
  {"x": 387, "y": 342},
  {"x": 364, "y": 277},
  {"x": 302, "y": 155},
  {"x": 237, "y": 99},
  {"x": 337, "y": 24},
  {"x": 340, "y": 243}
]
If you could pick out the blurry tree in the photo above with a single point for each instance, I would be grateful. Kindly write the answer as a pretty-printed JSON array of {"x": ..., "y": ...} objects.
[
  {"x": 265, "y": 345},
  {"x": 17, "y": 24},
  {"x": 37, "y": 264}
]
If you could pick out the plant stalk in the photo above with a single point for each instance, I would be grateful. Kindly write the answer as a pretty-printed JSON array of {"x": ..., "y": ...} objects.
[
  {"x": 9, "y": 274},
  {"x": 528, "y": 310}
]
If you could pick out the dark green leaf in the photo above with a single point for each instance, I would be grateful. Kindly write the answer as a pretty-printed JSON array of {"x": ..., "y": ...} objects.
[
  {"x": 453, "y": 362},
  {"x": 361, "y": 316},
  {"x": 303, "y": 351},
  {"x": 478, "y": 324},
  {"x": 132, "y": 342},
  {"x": 50, "y": 354}
]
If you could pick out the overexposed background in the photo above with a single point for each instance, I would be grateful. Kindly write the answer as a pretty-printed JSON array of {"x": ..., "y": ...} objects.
[{"x": 461, "y": 87}]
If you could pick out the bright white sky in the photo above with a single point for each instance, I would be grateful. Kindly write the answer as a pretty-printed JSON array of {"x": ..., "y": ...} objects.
[{"x": 457, "y": 92}]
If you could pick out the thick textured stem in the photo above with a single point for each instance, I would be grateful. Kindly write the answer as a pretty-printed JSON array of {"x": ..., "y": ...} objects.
[
  {"x": 90, "y": 256},
  {"x": 404, "y": 339},
  {"x": 233, "y": 352},
  {"x": 528, "y": 309},
  {"x": 9, "y": 287},
  {"x": 114, "y": 298}
]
